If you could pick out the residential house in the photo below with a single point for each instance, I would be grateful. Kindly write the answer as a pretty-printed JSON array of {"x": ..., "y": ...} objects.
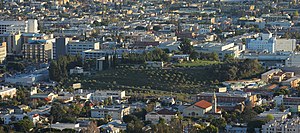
[{"x": 165, "y": 114}]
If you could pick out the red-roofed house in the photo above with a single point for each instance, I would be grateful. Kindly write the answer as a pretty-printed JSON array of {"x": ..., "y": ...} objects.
[{"x": 198, "y": 109}]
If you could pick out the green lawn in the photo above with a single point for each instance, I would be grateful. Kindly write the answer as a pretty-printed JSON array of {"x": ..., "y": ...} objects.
[{"x": 197, "y": 63}]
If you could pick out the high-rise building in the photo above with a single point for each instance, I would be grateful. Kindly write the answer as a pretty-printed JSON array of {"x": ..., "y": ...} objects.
[
  {"x": 60, "y": 47},
  {"x": 38, "y": 50},
  {"x": 32, "y": 26},
  {"x": 13, "y": 42}
]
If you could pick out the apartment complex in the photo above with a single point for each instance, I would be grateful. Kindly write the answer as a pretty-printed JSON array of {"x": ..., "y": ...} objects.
[{"x": 38, "y": 50}]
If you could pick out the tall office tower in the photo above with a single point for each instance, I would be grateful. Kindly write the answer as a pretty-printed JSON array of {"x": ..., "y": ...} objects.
[
  {"x": 60, "y": 47},
  {"x": 32, "y": 26}
]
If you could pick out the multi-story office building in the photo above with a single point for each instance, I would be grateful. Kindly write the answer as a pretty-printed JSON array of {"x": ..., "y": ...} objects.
[
  {"x": 76, "y": 47},
  {"x": 264, "y": 43},
  {"x": 30, "y": 25},
  {"x": 60, "y": 47},
  {"x": 38, "y": 50},
  {"x": 8, "y": 26},
  {"x": 13, "y": 42}
]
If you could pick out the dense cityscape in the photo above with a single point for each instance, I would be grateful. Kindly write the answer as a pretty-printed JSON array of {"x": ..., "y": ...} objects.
[{"x": 149, "y": 66}]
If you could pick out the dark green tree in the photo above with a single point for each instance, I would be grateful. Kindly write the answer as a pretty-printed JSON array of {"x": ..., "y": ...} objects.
[
  {"x": 135, "y": 127},
  {"x": 24, "y": 125},
  {"x": 129, "y": 118},
  {"x": 186, "y": 47}
]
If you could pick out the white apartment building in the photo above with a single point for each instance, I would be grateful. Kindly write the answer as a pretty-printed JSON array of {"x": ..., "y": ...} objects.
[
  {"x": 7, "y": 92},
  {"x": 116, "y": 112},
  {"x": 30, "y": 25},
  {"x": 265, "y": 42},
  {"x": 103, "y": 94},
  {"x": 284, "y": 126},
  {"x": 77, "y": 47},
  {"x": 219, "y": 48}
]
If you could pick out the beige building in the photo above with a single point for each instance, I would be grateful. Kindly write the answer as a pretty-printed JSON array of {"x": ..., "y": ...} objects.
[
  {"x": 198, "y": 109},
  {"x": 38, "y": 50},
  {"x": 267, "y": 76},
  {"x": 7, "y": 92},
  {"x": 3, "y": 52}
]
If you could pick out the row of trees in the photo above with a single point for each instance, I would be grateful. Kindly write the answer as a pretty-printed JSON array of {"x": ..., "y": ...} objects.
[{"x": 58, "y": 69}]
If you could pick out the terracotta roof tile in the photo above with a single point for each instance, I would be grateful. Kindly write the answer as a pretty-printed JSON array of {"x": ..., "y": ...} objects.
[{"x": 203, "y": 104}]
